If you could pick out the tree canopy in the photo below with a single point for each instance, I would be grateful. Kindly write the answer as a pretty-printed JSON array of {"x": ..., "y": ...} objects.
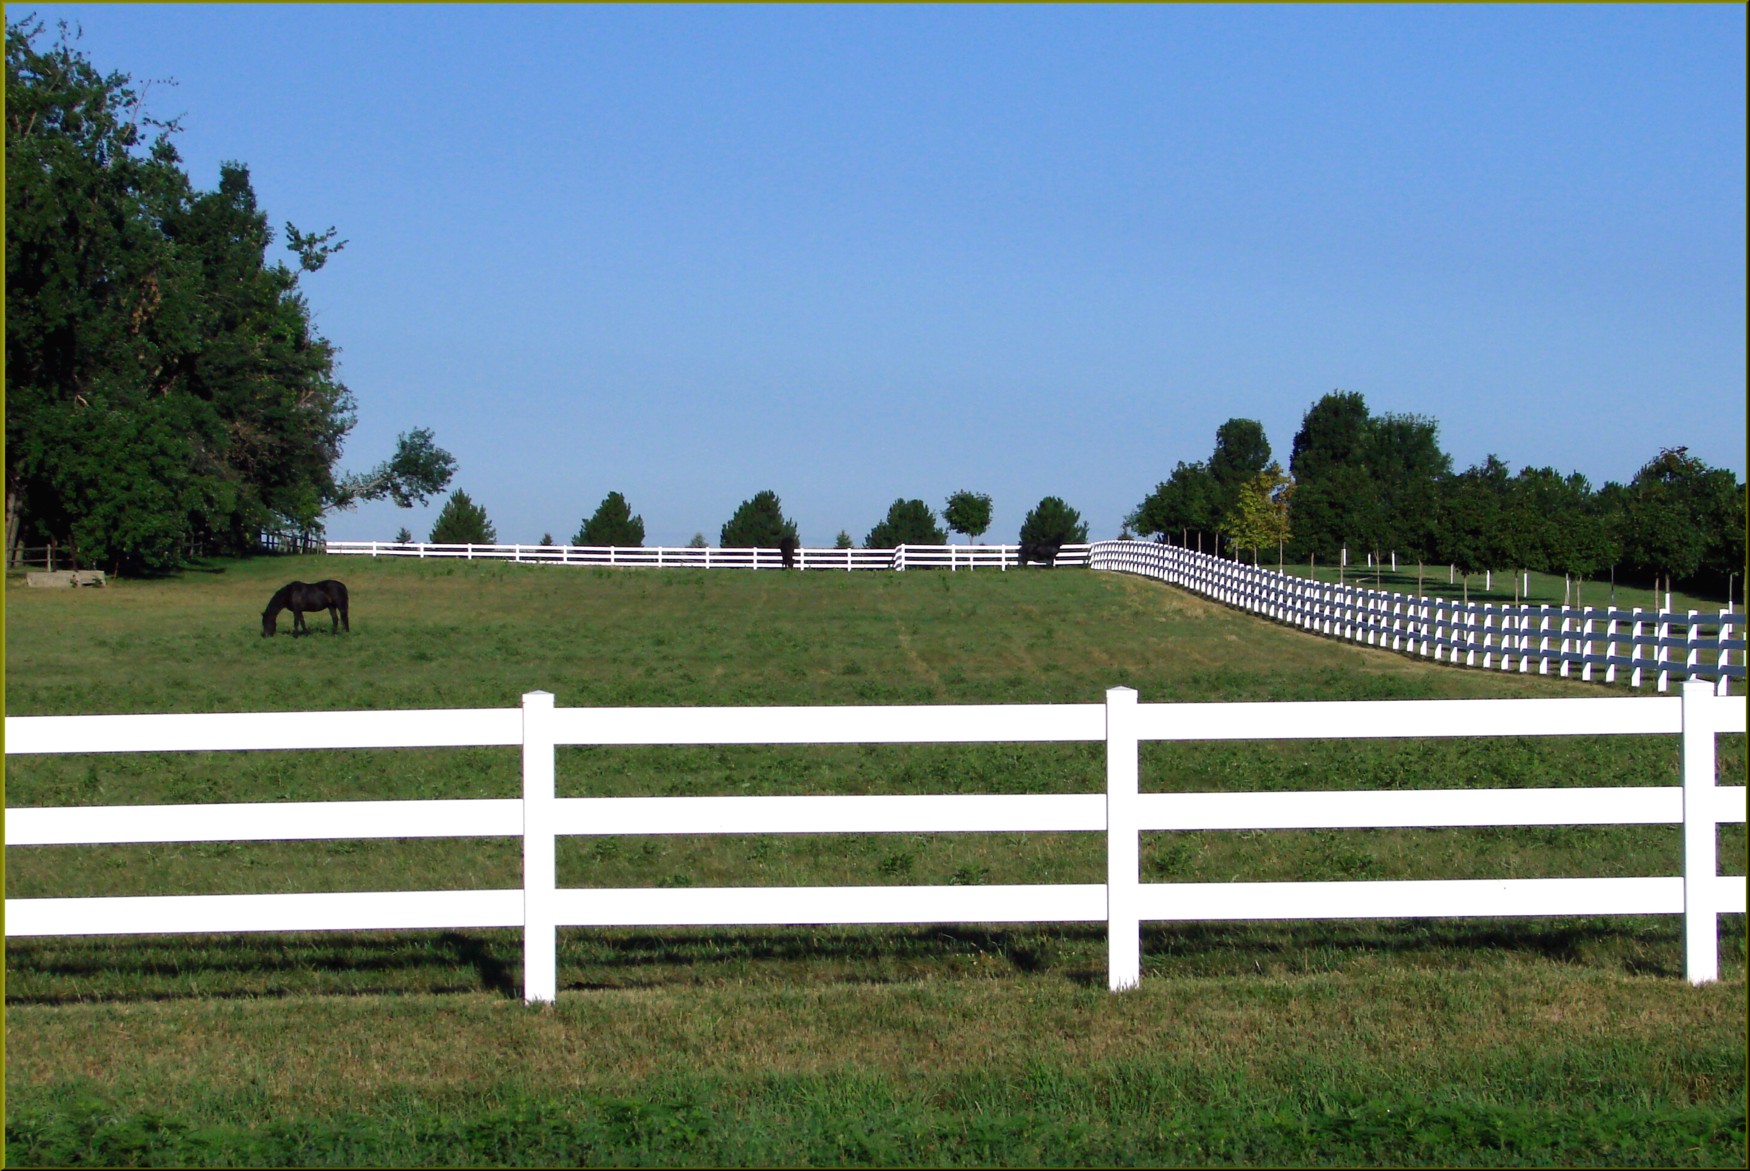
[
  {"x": 165, "y": 384},
  {"x": 968, "y": 513},
  {"x": 1260, "y": 515}
]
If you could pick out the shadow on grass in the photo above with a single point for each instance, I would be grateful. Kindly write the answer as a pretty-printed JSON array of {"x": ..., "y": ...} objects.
[{"x": 50, "y": 972}]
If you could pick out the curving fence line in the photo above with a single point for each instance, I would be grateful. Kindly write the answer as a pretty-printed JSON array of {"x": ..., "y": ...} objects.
[{"x": 1591, "y": 644}]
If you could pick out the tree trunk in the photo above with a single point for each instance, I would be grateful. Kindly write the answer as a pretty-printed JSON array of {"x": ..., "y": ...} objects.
[{"x": 14, "y": 514}]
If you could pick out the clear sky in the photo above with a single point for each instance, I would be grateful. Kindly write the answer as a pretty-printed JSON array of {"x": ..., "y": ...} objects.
[{"x": 855, "y": 253}]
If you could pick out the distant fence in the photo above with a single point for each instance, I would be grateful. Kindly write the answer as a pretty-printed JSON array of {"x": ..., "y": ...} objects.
[
  {"x": 1585, "y": 643},
  {"x": 685, "y": 557},
  {"x": 1700, "y": 894}
]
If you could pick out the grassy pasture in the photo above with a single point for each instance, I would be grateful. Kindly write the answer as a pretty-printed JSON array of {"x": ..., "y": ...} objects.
[{"x": 1494, "y": 1042}]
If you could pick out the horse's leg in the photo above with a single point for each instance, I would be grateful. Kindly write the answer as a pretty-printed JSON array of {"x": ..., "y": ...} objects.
[
  {"x": 333, "y": 620},
  {"x": 298, "y": 626}
]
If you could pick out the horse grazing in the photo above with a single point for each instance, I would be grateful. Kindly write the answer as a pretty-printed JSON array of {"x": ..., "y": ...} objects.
[
  {"x": 299, "y": 597},
  {"x": 787, "y": 551},
  {"x": 1044, "y": 552}
]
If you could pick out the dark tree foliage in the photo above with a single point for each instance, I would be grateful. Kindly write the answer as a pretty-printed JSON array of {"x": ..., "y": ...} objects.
[
  {"x": 1180, "y": 507},
  {"x": 908, "y": 522},
  {"x": 612, "y": 524},
  {"x": 1053, "y": 520},
  {"x": 758, "y": 523},
  {"x": 843, "y": 541},
  {"x": 1680, "y": 517},
  {"x": 462, "y": 522},
  {"x": 1241, "y": 452},
  {"x": 1365, "y": 482},
  {"x": 164, "y": 382},
  {"x": 968, "y": 513}
]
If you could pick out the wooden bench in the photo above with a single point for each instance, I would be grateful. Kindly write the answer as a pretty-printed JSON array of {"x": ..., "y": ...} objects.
[{"x": 62, "y": 578}]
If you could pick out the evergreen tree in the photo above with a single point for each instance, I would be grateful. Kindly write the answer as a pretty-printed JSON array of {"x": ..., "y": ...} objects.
[
  {"x": 612, "y": 524},
  {"x": 908, "y": 522},
  {"x": 1053, "y": 520},
  {"x": 759, "y": 523},
  {"x": 843, "y": 541},
  {"x": 462, "y": 522}
]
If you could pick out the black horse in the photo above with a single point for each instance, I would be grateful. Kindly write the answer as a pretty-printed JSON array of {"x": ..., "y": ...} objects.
[
  {"x": 299, "y": 597},
  {"x": 787, "y": 550},
  {"x": 1043, "y": 551}
]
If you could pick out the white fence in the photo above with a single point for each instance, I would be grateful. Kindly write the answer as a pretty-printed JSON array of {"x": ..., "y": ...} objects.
[
  {"x": 950, "y": 557},
  {"x": 1588, "y": 644},
  {"x": 1122, "y": 813}
]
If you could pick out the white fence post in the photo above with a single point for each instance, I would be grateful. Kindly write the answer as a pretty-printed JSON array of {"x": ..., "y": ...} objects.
[
  {"x": 540, "y": 917},
  {"x": 1701, "y": 930},
  {"x": 1123, "y": 843}
]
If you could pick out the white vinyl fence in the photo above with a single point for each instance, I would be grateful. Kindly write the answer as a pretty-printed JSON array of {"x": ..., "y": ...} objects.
[
  {"x": 1122, "y": 813},
  {"x": 1588, "y": 644},
  {"x": 950, "y": 557}
]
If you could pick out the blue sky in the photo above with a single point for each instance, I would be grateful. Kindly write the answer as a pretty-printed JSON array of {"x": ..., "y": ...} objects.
[{"x": 855, "y": 253}]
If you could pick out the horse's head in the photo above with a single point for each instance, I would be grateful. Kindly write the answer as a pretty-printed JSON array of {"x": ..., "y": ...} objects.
[{"x": 269, "y": 618}]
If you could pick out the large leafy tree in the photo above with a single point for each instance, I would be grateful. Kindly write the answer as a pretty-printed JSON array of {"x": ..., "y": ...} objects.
[
  {"x": 164, "y": 381},
  {"x": 462, "y": 522},
  {"x": 612, "y": 524},
  {"x": 968, "y": 513},
  {"x": 1181, "y": 506},
  {"x": 908, "y": 522},
  {"x": 1678, "y": 518},
  {"x": 758, "y": 523},
  {"x": 1053, "y": 520},
  {"x": 1364, "y": 481},
  {"x": 1241, "y": 452}
]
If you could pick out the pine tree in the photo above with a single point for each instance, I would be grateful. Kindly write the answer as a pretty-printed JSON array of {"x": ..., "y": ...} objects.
[
  {"x": 612, "y": 524},
  {"x": 462, "y": 522}
]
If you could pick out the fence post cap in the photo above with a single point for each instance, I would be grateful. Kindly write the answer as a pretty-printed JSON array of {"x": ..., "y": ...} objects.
[
  {"x": 1121, "y": 694},
  {"x": 537, "y": 699}
]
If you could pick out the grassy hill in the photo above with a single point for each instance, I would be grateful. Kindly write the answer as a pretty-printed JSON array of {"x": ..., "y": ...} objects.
[{"x": 1468, "y": 1041}]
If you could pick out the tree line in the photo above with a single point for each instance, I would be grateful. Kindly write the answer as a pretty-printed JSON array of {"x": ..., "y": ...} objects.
[
  {"x": 759, "y": 522},
  {"x": 165, "y": 386},
  {"x": 1368, "y": 484}
]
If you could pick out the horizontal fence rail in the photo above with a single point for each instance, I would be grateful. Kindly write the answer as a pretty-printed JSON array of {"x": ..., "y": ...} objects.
[
  {"x": 1122, "y": 813},
  {"x": 1590, "y": 644},
  {"x": 951, "y": 557}
]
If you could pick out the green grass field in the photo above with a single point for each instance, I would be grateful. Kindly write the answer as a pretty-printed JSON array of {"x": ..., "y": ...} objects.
[{"x": 1415, "y": 1042}]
